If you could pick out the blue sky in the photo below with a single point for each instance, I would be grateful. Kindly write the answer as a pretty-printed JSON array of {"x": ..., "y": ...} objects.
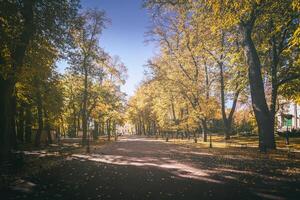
[{"x": 124, "y": 36}]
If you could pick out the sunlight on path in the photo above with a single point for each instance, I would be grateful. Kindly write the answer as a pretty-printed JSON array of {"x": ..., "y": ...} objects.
[{"x": 174, "y": 167}]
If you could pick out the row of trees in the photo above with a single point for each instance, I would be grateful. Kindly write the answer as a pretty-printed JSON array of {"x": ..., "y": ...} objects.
[
  {"x": 34, "y": 36},
  {"x": 213, "y": 55}
]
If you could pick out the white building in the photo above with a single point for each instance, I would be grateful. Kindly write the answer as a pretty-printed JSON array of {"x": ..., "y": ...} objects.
[
  {"x": 126, "y": 129},
  {"x": 288, "y": 117}
]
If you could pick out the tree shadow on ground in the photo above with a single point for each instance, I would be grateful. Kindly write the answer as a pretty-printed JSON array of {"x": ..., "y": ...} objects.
[{"x": 143, "y": 168}]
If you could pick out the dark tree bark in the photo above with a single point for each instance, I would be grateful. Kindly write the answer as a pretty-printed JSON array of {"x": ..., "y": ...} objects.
[
  {"x": 40, "y": 118},
  {"x": 154, "y": 128},
  {"x": 74, "y": 121},
  {"x": 114, "y": 128},
  {"x": 13, "y": 131},
  {"x": 20, "y": 130},
  {"x": 28, "y": 123},
  {"x": 206, "y": 81},
  {"x": 227, "y": 121},
  {"x": 57, "y": 134},
  {"x": 230, "y": 116},
  {"x": 259, "y": 104},
  {"x": 140, "y": 126},
  {"x": 143, "y": 127},
  {"x": 274, "y": 81},
  {"x": 96, "y": 130},
  {"x": 7, "y": 84},
  {"x": 6, "y": 91},
  {"x": 78, "y": 123},
  {"x": 108, "y": 129},
  {"x": 84, "y": 109},
  {"x": 204, "y": 130},
  {"x": 48, "y": 127},
  {"x": 102, "y": 128},
  {"x": 223, "y": 106}
]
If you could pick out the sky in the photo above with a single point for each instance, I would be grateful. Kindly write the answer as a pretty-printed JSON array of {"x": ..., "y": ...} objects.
[{"x": 124, "y": 36}]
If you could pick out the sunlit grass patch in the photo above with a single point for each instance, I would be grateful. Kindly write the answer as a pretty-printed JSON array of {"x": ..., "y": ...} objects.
[{"x": 236, "y": 141}]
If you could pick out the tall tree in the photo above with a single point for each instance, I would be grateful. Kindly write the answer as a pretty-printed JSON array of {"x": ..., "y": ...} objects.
[
  {"x": 87, "y": 54},
  {"x": 21, "y": 21},
  {"x": 246, "y": 19}
]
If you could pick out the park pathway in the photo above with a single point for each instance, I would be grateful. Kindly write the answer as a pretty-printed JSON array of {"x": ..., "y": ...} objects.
[{"x": 147, "y": 168}]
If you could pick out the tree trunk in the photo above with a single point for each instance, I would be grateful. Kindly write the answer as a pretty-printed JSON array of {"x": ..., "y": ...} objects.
[
  {"x": 103, "y": 128},
  {"x": 108, "y": 128},
  {"x": 28, "y": 123},
  {"x": 227, "y": 121},
  {"x": 204, "y": 130},
  {"x": 7, "y": 85},
  {"x": 140, "y": 126},
  {"x": 13, "y": 131},
  {"x": 136, "y": 128},
  {"x": 274, "y": 80},
  {"x": 78, "y": 124},
  {"x": 57, "y": 134},
  {"x": 40, "y": 119},
  {"x": 20, "y": 130},
  {"x": 48, "y": 127},
  {"x": 143, "y": 127},
  {"x": 96, "y": 130},
  {"x": 223, "y": 106},
  {"x": 74, "y": 122},
  {"x": 259, "y": 104},
  {"x": 114, "y": 127},
  {"x": 230, "y": 116},
  {"x": 84, "y": 110},
  {"x": 6, "y": 91},
  {"x": 206, "y": 81}
]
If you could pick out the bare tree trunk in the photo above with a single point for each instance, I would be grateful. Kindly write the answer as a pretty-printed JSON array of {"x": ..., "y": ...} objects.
[
  {"x": 40, "y": 118},
  {"x": 136, "y": 128},
  {"x": 227, "y": 121},
  {"x": 6, "y": 90},
  {"x": 84, "y": 110},
  {"x": 74, "y": 121},
  {"x": 47, "y": 127},
  {"x": 223, "y": 106},
  {"x": 103, "y": 128},
  {"x": 259, "y": 104},
  {"x": 204, "y": 129},
  {"x": 114, "y": 127},
  {"x": 96, "y": 130},
  {"x": 206, "y": 81},
  {"x": 140, "y": 126},
  {"x": 108, "y": 128},
  {"x": 230, "y": 116},
  {"x": 143, "y": 127},
  {"x": 78, "y": 124},
  {"x": 13, "y": 131},
  {"x": 20, "y": 130},
  {"x": 154, "y": 128},
  {"x": 274, "y": 80},
  {"x": 28, "y": 123}
]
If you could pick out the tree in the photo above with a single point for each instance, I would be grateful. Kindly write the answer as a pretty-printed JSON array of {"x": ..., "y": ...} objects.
[
  {"x": 21, "y": 22},
  {"x": 87, "y": 55},
  {"x": 245, "y": 21}
]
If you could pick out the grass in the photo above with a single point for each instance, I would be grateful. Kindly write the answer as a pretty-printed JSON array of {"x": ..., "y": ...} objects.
[
  {"x": 237, "y": 141},
  {"x": 247, "y": 152}
]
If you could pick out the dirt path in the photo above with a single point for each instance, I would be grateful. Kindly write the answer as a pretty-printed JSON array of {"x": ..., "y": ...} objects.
[{"x": 143, "y": 168}]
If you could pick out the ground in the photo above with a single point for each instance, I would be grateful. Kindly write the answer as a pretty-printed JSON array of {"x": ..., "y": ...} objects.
[{"x": 148, "y": 168}]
